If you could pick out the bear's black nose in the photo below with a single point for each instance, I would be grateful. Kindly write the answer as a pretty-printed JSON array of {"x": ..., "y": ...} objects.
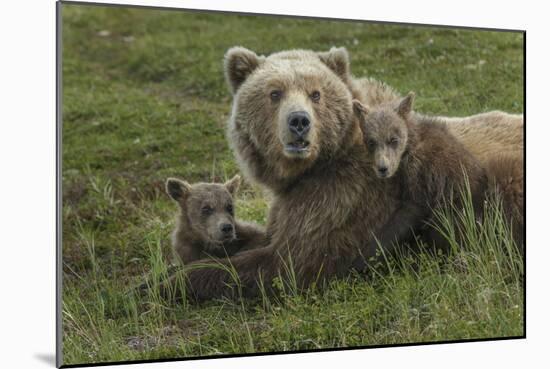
[
  {"x": 299, "y": 123},
  {"x": 227, "y": 228}
]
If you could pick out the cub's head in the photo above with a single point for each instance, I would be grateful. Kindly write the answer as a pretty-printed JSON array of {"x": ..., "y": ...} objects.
[
  {"x": 290, "y": 109},
  {"x": 207, "y": 208},
  {"x": 385, "y": 132}
]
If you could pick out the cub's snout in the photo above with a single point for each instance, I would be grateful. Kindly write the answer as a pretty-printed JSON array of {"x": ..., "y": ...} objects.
[
  {"x": 382, "y": 171},
  {"x": 227, "y": 232}
]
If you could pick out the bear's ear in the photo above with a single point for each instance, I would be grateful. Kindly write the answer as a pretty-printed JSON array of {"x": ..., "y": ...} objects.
[
  {"x": 233, "y": 184},
  {"x": 177, "y": 189},
  {"x": 359, "y": 109},
  {"x": 337, "y": 59},
  {"x": 404, "y": 107},
  {"x": 238, "y": 64}
]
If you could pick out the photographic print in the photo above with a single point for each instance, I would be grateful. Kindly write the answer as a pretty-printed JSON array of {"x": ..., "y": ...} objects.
[{"x": 237, "y": 184}]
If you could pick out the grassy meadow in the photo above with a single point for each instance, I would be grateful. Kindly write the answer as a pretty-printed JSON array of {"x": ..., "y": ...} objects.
[{"x": 144, "y": 99}]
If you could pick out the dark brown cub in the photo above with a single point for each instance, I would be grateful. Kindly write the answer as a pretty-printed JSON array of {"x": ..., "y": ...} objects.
[{"x": 433, "y": 168}]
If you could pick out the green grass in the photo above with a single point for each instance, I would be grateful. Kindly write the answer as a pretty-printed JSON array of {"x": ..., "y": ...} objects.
[{"x": 144, "y": 98}]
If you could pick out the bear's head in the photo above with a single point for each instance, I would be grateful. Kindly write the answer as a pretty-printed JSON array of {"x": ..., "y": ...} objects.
[
  {"x": 385, "y": 133},
  {"x": 291, "y": 110},
  {"x": 207, "y": 208}
]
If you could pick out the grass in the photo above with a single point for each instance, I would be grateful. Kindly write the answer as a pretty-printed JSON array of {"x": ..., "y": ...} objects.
[{"x": 144, "y": 99}]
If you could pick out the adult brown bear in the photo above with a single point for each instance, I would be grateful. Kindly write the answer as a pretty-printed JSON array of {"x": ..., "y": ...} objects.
[{"x": 292, "y": 130}]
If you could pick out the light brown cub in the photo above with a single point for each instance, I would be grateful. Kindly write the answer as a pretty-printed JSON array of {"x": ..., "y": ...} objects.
[{"x": 206, "y": 224}]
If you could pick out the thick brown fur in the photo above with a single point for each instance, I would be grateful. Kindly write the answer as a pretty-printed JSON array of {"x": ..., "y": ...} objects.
[
  {"x": 496, "y": 140},
  {"x": 505, "y": 173},
  {"x": 488, "y": 135},
  {"x": 204, "y": 209}
]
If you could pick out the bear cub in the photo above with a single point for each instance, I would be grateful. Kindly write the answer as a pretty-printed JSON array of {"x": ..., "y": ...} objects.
[
  {"x": 432, "y": 167},
  {"x": 206, "y": 224}
]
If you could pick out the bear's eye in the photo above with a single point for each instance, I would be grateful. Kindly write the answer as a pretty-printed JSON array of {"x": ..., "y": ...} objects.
[
  {"x": 394, "y": 141},
  {"x": 207, "y": 210},
  {"x": 315, "y": 96},
  {"x": 371, "y": 143},
  {"x": 276, "y": 95},
  {"x": 229, "y": 209}
]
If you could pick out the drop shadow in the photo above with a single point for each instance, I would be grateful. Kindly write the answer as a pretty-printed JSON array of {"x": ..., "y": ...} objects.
[{"x": 46, "y": 358}]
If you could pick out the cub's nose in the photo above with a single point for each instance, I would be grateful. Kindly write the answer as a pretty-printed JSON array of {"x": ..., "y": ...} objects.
[
  {"x": 383, "y": 170},
  {"x": 227, "y": 228},
  {"x": 299, "y": 123}
]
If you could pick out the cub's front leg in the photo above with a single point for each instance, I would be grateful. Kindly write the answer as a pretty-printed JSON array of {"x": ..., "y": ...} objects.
[{"x": 249, "y": 236}]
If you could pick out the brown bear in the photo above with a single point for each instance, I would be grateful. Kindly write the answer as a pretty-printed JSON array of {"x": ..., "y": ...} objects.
[
  {"x": 206, "y": 225},
  {"x": 293, "y": 130},
  {"x": 433, "y": 168}
]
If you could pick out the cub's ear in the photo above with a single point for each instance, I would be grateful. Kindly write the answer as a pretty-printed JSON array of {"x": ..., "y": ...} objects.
[
  {"x": 233, "y": 184},
  {"x": 239, "y": 63},
  {"x": 359, "y": 109},
  {"x": 404, "y": 107},
  {"x": 337, "y": 59},
  {"x": 177, "y": 189}
]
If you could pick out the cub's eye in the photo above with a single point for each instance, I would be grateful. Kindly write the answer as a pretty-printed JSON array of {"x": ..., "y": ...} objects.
[
  {"x": 394, "y": 141},
  {"x": 229, "y": 209},
  {"x": 315, "y": 96},
  {"x": 207, "y": 210},
  {"x": 371, "y": 144},
  {"x": 276, "y": 95}
]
